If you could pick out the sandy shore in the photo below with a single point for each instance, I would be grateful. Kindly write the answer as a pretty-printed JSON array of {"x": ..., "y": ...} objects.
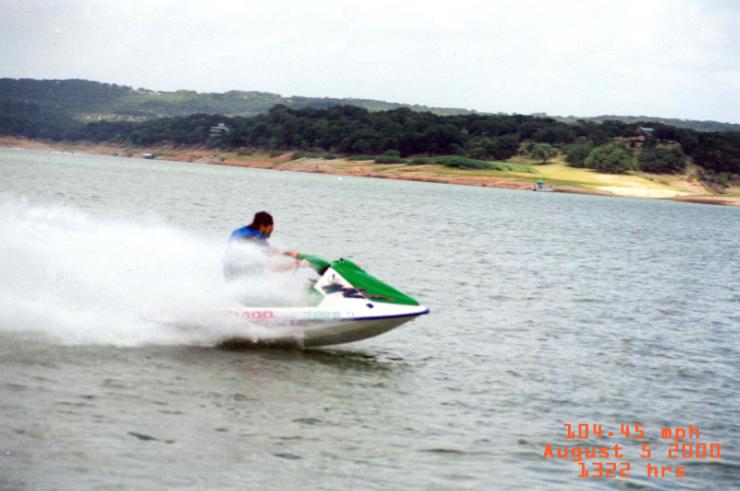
[{"x": 584, "y": 182}]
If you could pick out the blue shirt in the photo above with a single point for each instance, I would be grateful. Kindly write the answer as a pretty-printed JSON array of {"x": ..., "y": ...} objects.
[{"x": 246, "y": 233}]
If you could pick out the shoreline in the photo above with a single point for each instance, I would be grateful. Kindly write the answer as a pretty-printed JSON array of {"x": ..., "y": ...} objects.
[{"x": 680, "y": 189}]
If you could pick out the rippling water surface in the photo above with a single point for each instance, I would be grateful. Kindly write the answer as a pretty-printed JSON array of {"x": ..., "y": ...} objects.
[{"x": 547, "y": 309}]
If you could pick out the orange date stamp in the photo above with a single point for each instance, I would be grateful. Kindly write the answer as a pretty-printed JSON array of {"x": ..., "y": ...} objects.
[{"x": 612, "y": 460}]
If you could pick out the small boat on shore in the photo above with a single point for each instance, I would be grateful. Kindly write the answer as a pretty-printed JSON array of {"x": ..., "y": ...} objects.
[{"x": 540, "y": 186}]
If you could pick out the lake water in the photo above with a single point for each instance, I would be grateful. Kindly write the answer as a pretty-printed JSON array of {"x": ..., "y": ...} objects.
[{"x": 546, "y": 309}]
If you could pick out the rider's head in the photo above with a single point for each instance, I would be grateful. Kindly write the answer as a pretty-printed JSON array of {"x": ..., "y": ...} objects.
[{"x": 262, "y": 222}]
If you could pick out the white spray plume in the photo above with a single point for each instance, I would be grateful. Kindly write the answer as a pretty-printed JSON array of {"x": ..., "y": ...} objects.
[{"x": 79, "y": 279}]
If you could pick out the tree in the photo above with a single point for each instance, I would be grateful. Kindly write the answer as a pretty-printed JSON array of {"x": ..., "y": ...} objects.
[
  {"x": 503, "y": 147},
  {"x": 543, "y": 152},
  {"x": 554, "y": 133},
  {"x": 577, "y": 153},
  {"x": 719, "y": 152},
  {"x": 616, "y": 128},
  {"x": 610, "y": 158},
  {"x": 660, "y": 159}
]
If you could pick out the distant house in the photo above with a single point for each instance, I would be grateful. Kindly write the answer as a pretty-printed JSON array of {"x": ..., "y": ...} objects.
[
  {"x": 644, "y": 132},
  {"x": 218, "y": 131},
  {"x": 641, "y": 134}
]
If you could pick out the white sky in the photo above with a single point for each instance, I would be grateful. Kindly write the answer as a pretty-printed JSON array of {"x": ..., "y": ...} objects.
[{"x": 672, "y": 58}]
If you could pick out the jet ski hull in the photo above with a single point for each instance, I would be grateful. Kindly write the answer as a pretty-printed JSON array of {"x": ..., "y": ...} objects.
[{"x": 314, "y": 327}]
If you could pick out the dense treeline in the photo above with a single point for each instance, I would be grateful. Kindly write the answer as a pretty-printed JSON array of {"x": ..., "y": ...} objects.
[
  {"x": 354, "y": 130},
  {"x": 31, "y": 121},
  {"x": 611, "y": 146},
  {"x": 189, "y": 130}
]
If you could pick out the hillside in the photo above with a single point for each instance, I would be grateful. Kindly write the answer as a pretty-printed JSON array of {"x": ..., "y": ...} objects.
[
  {"x": 704, "y": 126},
  {"x": 88, "y": 101}
]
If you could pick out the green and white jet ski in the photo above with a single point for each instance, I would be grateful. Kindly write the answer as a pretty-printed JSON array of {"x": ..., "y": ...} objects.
[{"x": 346, "y": 304}]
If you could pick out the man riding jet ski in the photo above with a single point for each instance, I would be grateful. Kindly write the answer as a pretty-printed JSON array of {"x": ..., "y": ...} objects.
[{"x": 345, "y": 304}]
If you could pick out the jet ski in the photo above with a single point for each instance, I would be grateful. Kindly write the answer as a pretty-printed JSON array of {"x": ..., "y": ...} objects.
[{"x": 345, "y": 304}]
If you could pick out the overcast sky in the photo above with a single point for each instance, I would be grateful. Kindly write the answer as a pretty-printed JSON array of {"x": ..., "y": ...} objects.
[{"x": 672, "y": 58}]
